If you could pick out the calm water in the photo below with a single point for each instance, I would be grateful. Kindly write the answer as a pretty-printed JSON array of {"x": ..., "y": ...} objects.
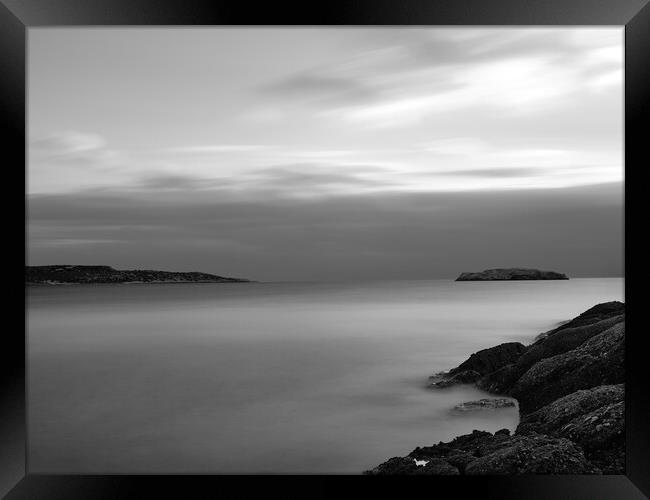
[{"x": 282, "y": 378}]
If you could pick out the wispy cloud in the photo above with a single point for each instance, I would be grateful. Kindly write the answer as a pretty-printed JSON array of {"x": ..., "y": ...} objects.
[
  {"x": 218, "y": 148},
  {"x": 327, "y": 87},
  {"x": 425, "y": 73},
  {"x": 389, "y": 110}
]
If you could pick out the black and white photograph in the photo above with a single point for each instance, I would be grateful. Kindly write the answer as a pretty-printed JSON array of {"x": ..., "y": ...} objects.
[{"x": 359, "y": 250}]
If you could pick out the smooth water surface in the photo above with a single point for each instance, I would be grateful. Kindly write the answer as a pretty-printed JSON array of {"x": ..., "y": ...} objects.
[{"x": 277, "y": 377}]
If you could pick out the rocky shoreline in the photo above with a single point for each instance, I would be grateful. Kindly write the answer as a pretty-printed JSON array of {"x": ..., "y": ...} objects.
[
  {"x": 569, "y": 387},
  {"x": 69, "y": 275}
]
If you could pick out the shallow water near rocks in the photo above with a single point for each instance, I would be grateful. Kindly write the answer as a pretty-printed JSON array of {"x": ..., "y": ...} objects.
[{"x": 268, "y": 377}]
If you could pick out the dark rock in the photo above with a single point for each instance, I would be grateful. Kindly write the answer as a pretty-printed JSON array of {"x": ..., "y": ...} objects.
[
  {"x": 394, "y": 466},
  {"x": 564, "y": 340},
  {"x": 484, "y": 453},
  {"x": 464, "y": 377},
  {"x": 437, "y": 467},
  {"x": 511, "y": 274},
  {"x": 408, "y": 466},
  {"x": 593, "y": 419},
  {"x": 500, "y": 381},
  {"x": 480, "y": 364},
  {"x": 597, "y": 313},
  {"x": 569, "y": 385},
  {"x": 601, "y": 434},
  {"x": 459, "y": 459},
  {"x": 472, "y": 443},
  {"x": 598, "y": 429},
  {"x": 485, "y": 404},
  {"x": 533, "y": 454},
  {"x": 489, "y": 360},
  {"x": 551, "y": 418},
  {"x": 598, "y": 361},
  {"x": 555, "y": 343}
]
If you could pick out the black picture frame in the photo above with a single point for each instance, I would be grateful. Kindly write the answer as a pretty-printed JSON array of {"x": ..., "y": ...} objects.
[{"x": 16, "y": 16}]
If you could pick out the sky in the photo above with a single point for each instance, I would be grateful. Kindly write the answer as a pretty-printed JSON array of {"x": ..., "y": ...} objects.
[{"x": 327, "y": 154}]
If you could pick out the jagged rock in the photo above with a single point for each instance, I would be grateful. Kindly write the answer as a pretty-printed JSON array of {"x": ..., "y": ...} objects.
[
  {"x": 488, "y": 360},
  {"x": 438, "y": 468},
  {"x": 479, "y": 364},
  {"x": 569, "y": 386},
  {"x": 499, "y": 453},
  {"x": 594, "y": 419},
  {"x": 599, "y": 429},
  {"x": 601, "y": 434},
  {"x": 500, "y": 381},
  {"x": 554, "y": 416},
  {"x": 554, "y": 343},
  {"x": 408, "y": 466},
  {"x": 598, "y": 361},
  {"x": 394, "y": 466},
  {"x": 511, "y": 274},
  {"x": 564, "y": 340},
  {"x": 485, "y": 404},
  {"x": 477, "y": 444},
  {"x": 533, "y": 454},
  {"x": 464, "y": 377},
  {"x": 592, "y": 315}
]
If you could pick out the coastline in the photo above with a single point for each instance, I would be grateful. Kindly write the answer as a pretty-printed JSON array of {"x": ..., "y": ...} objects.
[
  {"x": 160, "y": 282},
  {"x": 568, "y": 385},
  {"x": 53, "y": 275}
]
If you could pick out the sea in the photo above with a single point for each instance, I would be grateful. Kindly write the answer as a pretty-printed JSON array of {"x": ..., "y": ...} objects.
[{"x": 268, "y": 378}]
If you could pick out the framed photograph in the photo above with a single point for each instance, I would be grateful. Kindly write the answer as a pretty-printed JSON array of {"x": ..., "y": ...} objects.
[{"x": 351, "y": 242}]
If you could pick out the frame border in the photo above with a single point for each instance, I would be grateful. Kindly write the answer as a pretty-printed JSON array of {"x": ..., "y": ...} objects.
[{"x": 17, "y": 15}]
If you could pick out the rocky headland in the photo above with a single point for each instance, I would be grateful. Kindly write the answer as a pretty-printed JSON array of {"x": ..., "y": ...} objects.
[
  {"x": 65, "y": 274},
  {"x": 569, "y": 386},
  {"x": 513, "y": 274}
]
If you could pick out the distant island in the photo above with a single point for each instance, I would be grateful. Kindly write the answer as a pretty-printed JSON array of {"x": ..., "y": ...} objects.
[
  {"x": 513, "y": 274},
  {"x": 66, "y": 274}
]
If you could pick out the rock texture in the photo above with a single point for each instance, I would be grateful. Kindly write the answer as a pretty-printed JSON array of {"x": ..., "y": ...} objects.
[
  {"x": 598, "y": 361},
  {"x": 479, "y": 364},
  {"x": 511, "y": 275},
  {"x": 482, "y": 453},
  {"x": 491, "y": 359},
  {"x": 486, "y": 404},
  {"x": 593, "y": 418},
  {"x": 597, "y": 313},
  {"x": 445, "y": 380},
  {"x": 57, "y": 275},
  {"x": 569, "y": 386}
]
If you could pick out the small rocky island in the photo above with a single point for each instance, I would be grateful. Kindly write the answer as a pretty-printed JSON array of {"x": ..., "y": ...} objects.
[
  {"x": 65, "y": 274},
  {"x": 569, "y": 386},
  {"x": 514, "y": 274}
]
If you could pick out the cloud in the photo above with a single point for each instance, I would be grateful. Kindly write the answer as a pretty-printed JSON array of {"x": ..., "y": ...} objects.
[
  {"x": 413, "y": 75},
  {"x": 73, "y": 242},
  {"x": 75, "y": 160},
  {"x": 218, "y": 148},
  {"x": 287, "y": 181},
  {"x": 67, "y": 143},
  {"x": 497, "y": 172},
  {"x": 174, "y": 182},
  {"x": 404, "y": 236},
  {"x": 319, "y": 85},
  {"x": 447, "y": 166}
]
